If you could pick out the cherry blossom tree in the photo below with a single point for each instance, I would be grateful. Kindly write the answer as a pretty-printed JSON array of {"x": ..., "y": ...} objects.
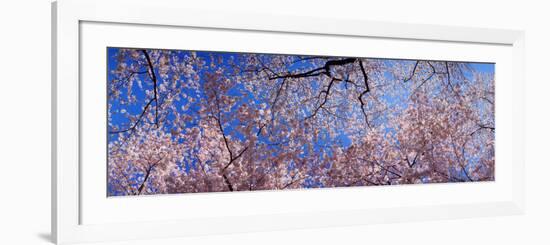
[{"x": 184, "y": 121}]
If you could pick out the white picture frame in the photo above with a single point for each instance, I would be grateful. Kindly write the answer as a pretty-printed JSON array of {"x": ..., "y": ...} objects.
[{"x": 68, "y": 17}]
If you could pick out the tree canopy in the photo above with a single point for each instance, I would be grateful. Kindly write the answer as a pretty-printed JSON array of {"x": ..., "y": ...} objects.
[{"x": 186, "y": 121}]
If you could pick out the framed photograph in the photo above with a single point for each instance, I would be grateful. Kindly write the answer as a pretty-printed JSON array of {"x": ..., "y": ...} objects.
[{"x": 169, "y": 125}]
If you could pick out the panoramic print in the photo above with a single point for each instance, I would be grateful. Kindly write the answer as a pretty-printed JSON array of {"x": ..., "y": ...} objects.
[{"x": 183, "y": 121}]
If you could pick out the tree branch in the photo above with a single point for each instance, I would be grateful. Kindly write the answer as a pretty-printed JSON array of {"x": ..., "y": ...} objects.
[
  {"x": 413, "y": 71},
  {"x": 137, "y": 121},
  {"x": 123, "y": 81},
  {"x": 147, "y": 174},
  {"x": 232, "y": 158},
  {"x": 325, "y": 98},
  {"x": 367, "y": 89},
  {"x": 317, "y": 71},
  {"x": 411, "y": 164},
  {"x": 154, "y": 78},
  {"x": 449, "y": 79},
  {"x": 480, "y": 127}
]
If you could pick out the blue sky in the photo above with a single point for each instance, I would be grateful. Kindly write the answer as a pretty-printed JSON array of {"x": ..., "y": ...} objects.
[{"x": 117, "y": 119}]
